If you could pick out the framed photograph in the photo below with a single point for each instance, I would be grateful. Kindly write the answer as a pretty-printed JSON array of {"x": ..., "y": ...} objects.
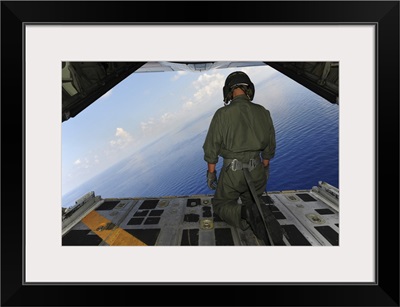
[{"x": 39, "y": 39}]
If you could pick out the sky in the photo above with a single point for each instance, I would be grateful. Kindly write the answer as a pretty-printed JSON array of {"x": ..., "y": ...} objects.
[{"x": 139, "y": 110}]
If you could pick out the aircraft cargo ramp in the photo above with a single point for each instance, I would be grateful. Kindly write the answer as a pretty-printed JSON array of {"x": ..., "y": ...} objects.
[{"x": 308, "y": 217}]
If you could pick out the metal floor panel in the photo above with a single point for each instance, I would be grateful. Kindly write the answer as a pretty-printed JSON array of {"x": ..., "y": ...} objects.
[{"x": 190, "y": 220}]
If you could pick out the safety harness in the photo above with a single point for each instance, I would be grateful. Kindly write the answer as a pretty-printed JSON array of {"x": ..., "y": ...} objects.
[{"x": 236, "y": 165}]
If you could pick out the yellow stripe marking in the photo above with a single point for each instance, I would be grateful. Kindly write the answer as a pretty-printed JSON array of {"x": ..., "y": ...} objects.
[{"x": 109, "y": 232}]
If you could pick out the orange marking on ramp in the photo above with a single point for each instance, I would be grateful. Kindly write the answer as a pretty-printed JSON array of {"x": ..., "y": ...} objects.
[{"x": 109, "y": 232}]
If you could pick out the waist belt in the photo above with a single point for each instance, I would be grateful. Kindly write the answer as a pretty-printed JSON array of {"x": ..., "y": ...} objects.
[{"x": 235, "y": 164}]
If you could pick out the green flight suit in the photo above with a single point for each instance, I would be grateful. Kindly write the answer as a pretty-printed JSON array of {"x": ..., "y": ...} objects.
[{"x": 241, "y": 130}]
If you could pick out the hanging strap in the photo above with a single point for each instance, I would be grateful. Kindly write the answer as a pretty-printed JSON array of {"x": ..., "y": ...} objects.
[
  {"x": 236, "y": 165},
  {"x": 257, "y": 200}
]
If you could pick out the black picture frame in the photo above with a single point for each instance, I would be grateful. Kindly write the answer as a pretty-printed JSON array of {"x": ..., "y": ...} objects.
[{"x": 383, "y": 14}]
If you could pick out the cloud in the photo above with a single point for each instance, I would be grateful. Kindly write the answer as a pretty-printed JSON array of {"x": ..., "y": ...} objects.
[
  {"x": 121, "y": 133},
  {"x": 123, "y": 138},
  {"x": 178, "y": 75},
  {"x": 188, "y": 105},
  {"x": 167, "y": 117},
  {"x": 84, "y": 163},
  {"x": 147, "y": 127},
  {"x": 208, "y": 85},
  {"x": 156, "y": 126}
]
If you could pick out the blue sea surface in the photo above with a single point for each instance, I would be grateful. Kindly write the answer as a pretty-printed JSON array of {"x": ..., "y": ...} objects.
[{"x": 307, "y": 135}]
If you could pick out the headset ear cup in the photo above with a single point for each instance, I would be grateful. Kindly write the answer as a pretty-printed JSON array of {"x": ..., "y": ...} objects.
[
  {"x": 230, "y": 96},
  {"x": 250, "y": 93}
]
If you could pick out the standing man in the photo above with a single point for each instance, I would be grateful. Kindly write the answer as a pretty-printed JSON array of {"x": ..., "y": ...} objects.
[{"x": 243, "y": 134}]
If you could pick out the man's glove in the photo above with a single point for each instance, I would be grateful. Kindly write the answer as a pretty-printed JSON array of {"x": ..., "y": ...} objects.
[
  {"x": 212, "y": 180},
  {"x": 266, "y": 170}
]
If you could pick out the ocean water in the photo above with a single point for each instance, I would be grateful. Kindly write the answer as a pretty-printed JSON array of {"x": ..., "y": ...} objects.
[{"x": 307, "y": 134}]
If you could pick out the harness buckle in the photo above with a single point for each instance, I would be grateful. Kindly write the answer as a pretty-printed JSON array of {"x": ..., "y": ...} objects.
[
  {"x": 236, "y": 165},
  {"x": 252, "y": 164}
]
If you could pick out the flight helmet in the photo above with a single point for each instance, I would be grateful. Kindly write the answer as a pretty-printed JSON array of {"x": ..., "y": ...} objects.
[{"x": 238, "y": 79}]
